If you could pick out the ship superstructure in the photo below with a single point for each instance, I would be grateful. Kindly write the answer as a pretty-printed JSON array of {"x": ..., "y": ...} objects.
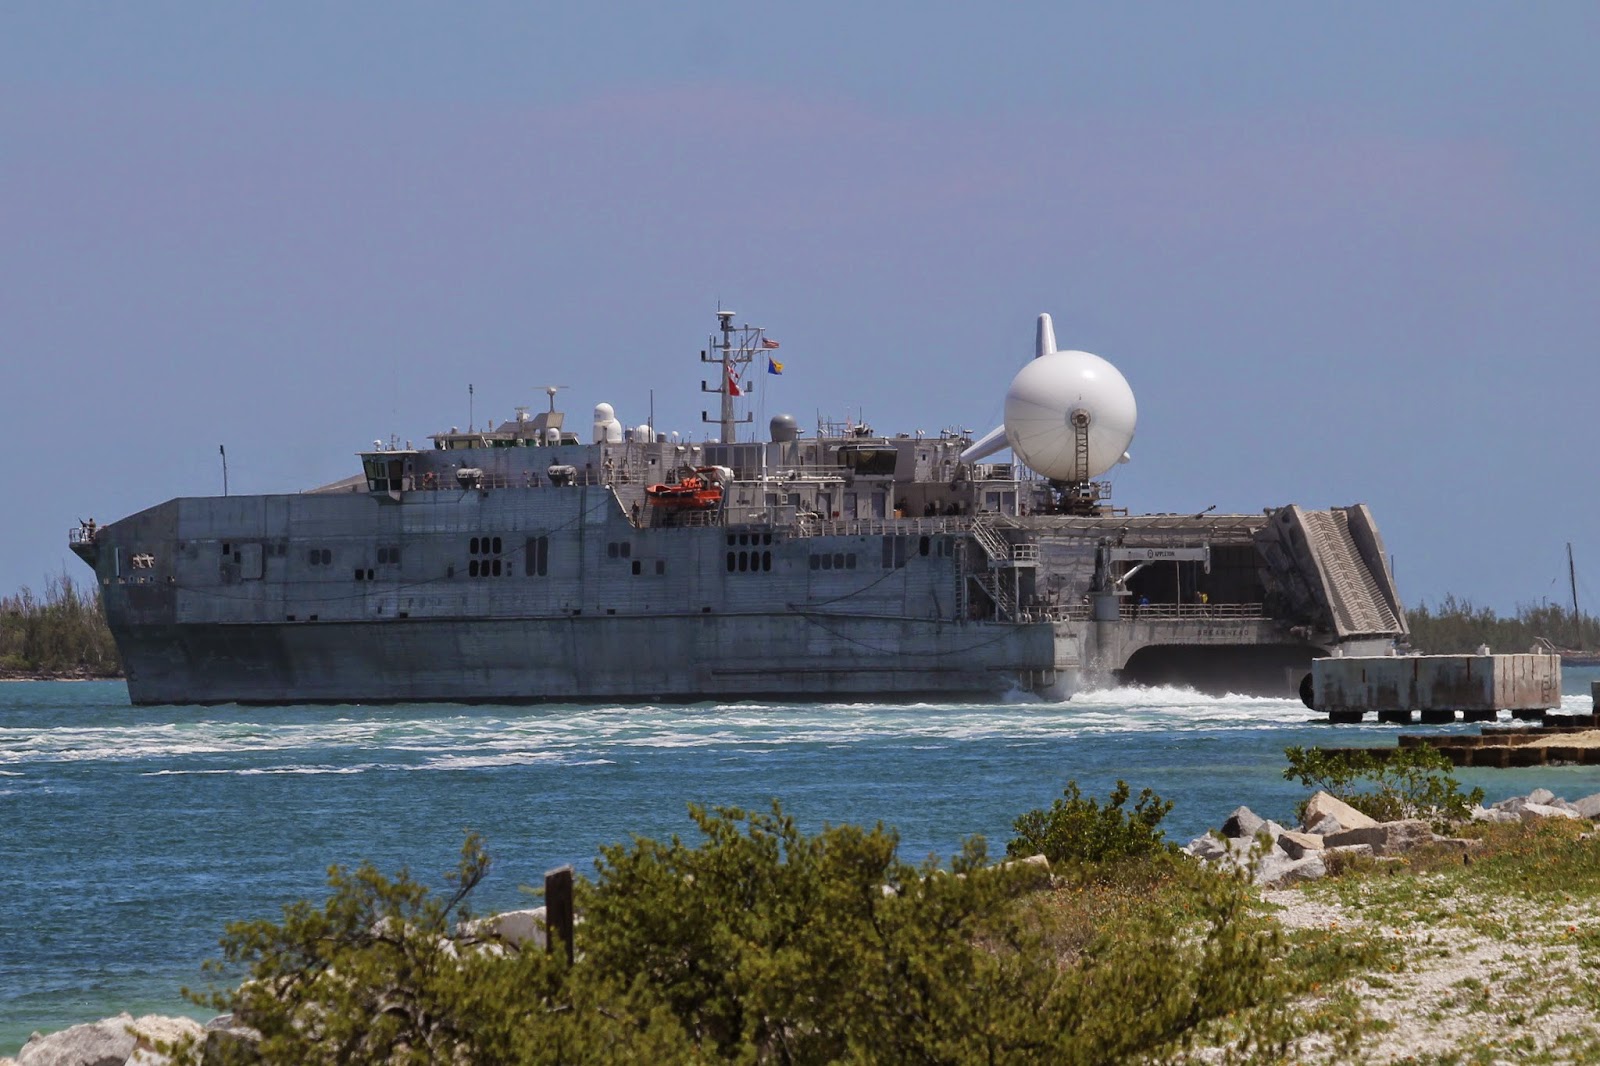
[{"x": 527, "y": 562}]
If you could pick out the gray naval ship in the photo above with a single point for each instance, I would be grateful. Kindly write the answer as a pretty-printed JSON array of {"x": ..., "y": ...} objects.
[{"x": 529, "y": 562}]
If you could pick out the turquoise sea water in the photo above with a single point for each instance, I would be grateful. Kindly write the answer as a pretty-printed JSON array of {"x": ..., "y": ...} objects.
[{"x": 129, "y": 836}]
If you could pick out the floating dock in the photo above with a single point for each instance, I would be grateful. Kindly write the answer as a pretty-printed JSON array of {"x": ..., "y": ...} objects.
[{"x": 1438, "y": 687}]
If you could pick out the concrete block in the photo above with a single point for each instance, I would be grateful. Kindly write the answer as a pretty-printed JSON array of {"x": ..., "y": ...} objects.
[{"x": 1526, "y": 683}]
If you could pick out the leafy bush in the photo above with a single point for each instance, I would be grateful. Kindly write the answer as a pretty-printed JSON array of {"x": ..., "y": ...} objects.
[
  {"x": 1403, "y": 783},
  {"x": 1075, "y": 829},
  {"x": 763, "y": 944}
]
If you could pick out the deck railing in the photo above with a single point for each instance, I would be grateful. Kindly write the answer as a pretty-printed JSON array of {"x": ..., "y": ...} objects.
[{"x": 1167, "y": 612}]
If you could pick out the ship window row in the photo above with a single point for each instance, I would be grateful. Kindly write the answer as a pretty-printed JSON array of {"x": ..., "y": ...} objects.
[
  {"x": 486, "y": 568},
  {"x": 320, "y": 556},
  {"x": 388, "y": 556},
  {"x": 619, "y": 549},
  {"x": 748, "y": 540},
  {"x": 364, "y": 575},
  {"x": 748, "y": 562},
  {"x": 483, "y": 546},
  {"x": 536, "y": 558},
  {"x": 836, "y": 561},
  {"x": 660, "y": 567}
]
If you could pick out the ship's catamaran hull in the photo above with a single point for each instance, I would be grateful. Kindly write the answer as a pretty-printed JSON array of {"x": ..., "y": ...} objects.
[{"x": 554, "y": 593}]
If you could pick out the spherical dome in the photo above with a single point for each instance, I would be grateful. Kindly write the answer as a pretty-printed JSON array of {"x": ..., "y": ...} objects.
[
  {"x": 1055, "y": 393},
  {"x": 603, "y": 412}
]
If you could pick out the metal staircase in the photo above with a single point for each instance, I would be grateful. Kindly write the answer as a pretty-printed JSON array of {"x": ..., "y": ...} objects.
[{"x": 998, "y": 581}]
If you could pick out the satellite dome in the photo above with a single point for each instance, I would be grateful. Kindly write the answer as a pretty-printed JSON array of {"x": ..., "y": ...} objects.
[{"x": 1059, "y": 396}]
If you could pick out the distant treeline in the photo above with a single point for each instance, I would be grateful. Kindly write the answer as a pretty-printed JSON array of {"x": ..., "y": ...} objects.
[
  {"x": 63, "y": 634},
  {"x": 1456, "y": 626}
]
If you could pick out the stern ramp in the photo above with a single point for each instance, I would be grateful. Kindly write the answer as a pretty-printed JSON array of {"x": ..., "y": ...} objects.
[{"x": 1332, "y": 567}]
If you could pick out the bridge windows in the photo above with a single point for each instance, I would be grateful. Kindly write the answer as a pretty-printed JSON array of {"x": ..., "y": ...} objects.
[{"x": 319, "y": 556}]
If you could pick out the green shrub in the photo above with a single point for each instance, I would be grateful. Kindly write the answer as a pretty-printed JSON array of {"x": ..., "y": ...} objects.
[
  {"x": 763, "y": 944},
  {"x": 1075, "y": 829},
  {"x": 1403, "y": 783}
]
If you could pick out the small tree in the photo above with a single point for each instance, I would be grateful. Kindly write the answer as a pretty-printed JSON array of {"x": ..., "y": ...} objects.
[
  {"x": 1076, "y": 829},
  {"x": 1405, "y": 783}
]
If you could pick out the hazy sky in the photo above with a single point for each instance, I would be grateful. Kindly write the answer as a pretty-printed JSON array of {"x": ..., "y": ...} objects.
[{"x": 1341, "y": 252}]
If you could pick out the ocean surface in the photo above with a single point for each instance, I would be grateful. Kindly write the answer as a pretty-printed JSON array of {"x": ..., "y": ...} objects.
[{"x": 129, "y": 836}]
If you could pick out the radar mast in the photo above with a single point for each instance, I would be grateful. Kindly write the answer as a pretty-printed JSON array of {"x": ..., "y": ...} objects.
[{"x": 733, "y": 351}]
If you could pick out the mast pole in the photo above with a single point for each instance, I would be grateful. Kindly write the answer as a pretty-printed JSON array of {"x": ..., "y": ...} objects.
[
  {"x": 1572, "y": 576},
  {"x": 726, "y": 430}
]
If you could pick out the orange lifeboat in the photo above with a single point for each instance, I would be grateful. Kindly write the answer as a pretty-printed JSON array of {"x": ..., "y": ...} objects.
[{"x": 693, "y": 493}]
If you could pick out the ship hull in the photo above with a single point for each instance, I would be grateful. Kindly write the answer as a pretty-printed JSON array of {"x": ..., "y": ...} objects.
[{"x": 582, "y": 659}]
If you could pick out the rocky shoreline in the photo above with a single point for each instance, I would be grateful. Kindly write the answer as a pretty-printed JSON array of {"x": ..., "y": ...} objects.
[
  {"x": 75, "y": 674},
  {"x": 1280, "y": 861}
]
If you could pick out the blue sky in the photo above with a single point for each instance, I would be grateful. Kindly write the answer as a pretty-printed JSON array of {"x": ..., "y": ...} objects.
[{"x": 1341, "y": 253}]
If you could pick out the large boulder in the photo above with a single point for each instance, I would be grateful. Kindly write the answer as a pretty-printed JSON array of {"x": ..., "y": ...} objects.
[
  {"x": 154, "y": 1031},
  {"x": 1385, "y": 838},
  {"x": 1242, "y": 824},
  {"x": 107, "y": 1042},
  {"x": 1278, "y": 869},
  {"x": 1536, "y": 811},
  {"x": 1323, "y": 804},
  {"x": 1207, "y": 847},
  {"x": 1588, "y": 806},
  {"x": 1493, "y": 814},
  {"x": 516, "y": 928},
  {"x": 230, "y": 1045},
  {"x": 1323, "y": 826},
  {"x": 1542, "y": 796},
  {"x": 1299, "y": 845}
]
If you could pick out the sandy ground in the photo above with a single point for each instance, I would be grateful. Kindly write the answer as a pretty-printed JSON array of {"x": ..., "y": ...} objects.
[{"x": 1485, "y": 981}]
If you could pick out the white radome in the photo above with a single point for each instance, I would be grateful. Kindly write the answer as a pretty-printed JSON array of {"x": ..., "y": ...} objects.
[{"x": 1052, "y": 392}]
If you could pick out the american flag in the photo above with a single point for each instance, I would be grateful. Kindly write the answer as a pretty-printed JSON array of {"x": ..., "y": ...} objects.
[{"x": 768, "y": 342}]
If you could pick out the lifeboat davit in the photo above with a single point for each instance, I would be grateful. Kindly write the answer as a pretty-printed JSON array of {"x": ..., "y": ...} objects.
[{"x": 693, "y": 493}]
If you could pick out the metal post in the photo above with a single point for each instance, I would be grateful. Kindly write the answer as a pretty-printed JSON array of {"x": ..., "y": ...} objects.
[
  {"x": 223, "y": 451},
  {"x": 558, "y": 911},
  {"x": 1572, "y": 575}
]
